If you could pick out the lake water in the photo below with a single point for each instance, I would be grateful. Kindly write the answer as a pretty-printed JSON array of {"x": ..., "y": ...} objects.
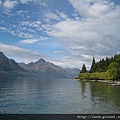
[{"x": 58, "y": 96}]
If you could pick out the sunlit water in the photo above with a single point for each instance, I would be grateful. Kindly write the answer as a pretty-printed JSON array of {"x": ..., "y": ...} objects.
[{"x": 58, "y": 96}]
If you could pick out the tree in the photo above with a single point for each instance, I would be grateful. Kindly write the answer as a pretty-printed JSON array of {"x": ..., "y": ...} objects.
[
  {"x": 108, "y": 68},
  {"x": 83, "y": 69},
  {"x": 117, "y": 59},
  {"x": 113, "y": 69},
  {"x": 93, "y": 66},
  {"x": 107, "y": 63},
  {"x": 111, "y": 60}
]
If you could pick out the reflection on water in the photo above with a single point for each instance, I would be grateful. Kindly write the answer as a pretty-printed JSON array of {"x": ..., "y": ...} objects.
[
  {"x": 105, "y": 97},
  {"x": 58, "y": 96}
]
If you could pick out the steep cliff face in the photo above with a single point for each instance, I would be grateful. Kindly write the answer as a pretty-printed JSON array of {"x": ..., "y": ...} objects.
[
  {"x": 8, "y": 64},
  {"x": 10, "y": 67}
]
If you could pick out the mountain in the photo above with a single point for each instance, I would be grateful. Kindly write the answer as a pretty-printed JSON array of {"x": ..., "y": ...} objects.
[
  {"x": 71, "y": 73},
  {"x": 41, "y": 69},
  {"x": 8, "y": 67},
  {"x": 8, "y": 64},
  {"x": 46, "y": 69}
]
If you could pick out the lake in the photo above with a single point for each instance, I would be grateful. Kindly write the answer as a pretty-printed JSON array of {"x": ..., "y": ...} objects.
[{"x": 57, "y": 96}]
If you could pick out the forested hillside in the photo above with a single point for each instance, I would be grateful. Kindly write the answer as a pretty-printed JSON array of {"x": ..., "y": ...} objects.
[{"x": 108, "y": 68}]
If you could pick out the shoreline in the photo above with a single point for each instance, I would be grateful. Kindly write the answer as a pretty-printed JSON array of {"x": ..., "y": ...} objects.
[{"x": 109, "y": 82}]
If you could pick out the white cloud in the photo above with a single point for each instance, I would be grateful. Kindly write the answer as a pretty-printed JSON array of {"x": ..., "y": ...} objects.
[
  {"x": 29, "y": 41},
  {"x": 3, "y": 29},
  {"x": 25, "y": 35},
  {"x": 27, "y": 56},
  {"x": 38, "y": 22},
  {"x": 59, "y": 52},
  {"x": 50, "y": 15},
  {"x": 40, "y": 2},
  {"x": 92, "y": 8},
  {"x": 51, "y": 18},
  {"x": 43, "y": 38},
  {"x": 24, "y": 1},
  {"x": 21, "y": 12},
  {"x": 34, "y": 24},
  {"x": 96, "y": 34},
  {"x": 62, "y": 15},
  {"x": 93, "y": 29},
  {"x": 20, "y": 54},
  {"x": 31, "y": 30},
  {"x": 22, "y": 32},
  {"x": 9, "y": 4}
]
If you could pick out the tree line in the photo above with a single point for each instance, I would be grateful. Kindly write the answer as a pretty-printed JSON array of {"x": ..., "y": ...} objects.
[{"x": 105, "y": 69}]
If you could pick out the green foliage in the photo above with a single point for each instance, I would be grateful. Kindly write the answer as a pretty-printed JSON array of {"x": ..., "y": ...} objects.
[
  {"x": 103, "y": 70},
  {"x": 94, "y": 76},
  {"x": 113, "y": 65},
  {"x": 117, "y": 59},
  {"x": 83, "y": 69},
  {"x": 93, "y": 66},
  {"x": 113, "y": 70},
  {"x": 84, "y": 76}
]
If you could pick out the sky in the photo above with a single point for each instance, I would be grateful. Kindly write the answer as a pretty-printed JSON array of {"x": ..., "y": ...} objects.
[{"x": 68, "y": 33}]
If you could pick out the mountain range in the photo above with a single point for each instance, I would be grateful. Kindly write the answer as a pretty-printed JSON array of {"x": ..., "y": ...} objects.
[{"x": 41, "y": 69}]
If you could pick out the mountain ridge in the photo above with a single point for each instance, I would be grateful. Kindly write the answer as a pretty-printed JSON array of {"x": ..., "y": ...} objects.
[
  {"x": 10, "y": 68},
  {"x": 8, "y": 64},
  {"x": 40, "y": 68}
]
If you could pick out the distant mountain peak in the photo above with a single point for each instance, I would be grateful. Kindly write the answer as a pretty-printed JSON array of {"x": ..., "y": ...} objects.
[
  {"x": 2, "y": 55},
  {"x": 49, "y": 70},
  {"x": 41, "y": 60}
]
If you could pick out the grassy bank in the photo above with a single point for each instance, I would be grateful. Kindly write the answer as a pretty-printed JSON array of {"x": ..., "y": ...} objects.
[{"x": 95, "y": 76}]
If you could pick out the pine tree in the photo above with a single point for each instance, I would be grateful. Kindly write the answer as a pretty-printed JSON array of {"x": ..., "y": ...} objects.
[
  {"x": 93, "y": 66},
  {"x": 83, "y": 69},
  {"x": 107, "y": 63}
]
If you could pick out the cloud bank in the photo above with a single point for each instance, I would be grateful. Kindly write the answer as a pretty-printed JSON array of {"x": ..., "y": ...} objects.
[
  {"x": 95, "y": 34},
  {"x": 20, "y": 54}
]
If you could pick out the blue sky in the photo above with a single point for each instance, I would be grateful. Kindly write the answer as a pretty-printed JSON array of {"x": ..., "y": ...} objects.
[{"x": 67, "y": 33}]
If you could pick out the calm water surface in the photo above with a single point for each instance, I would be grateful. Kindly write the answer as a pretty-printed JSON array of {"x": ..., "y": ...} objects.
[{"x": 58, "y": 96}]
